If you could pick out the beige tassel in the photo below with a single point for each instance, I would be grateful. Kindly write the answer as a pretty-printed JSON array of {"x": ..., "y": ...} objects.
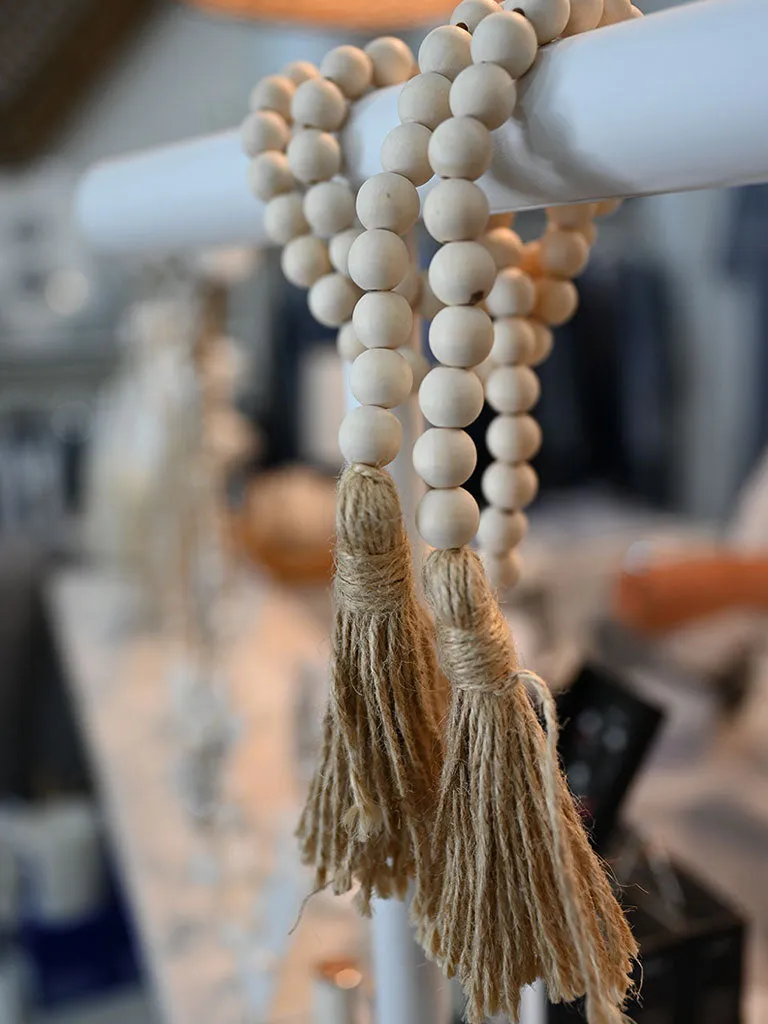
[
  {"x": 370, "y": 804},
  {"x": 519, "y": 893}
]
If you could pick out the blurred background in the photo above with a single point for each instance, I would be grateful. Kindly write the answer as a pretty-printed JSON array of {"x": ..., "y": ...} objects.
[{"x": 167, "y": 468}]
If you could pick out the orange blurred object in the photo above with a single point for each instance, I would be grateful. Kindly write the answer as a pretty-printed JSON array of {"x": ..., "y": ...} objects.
[{"x": 360, "y": 16}]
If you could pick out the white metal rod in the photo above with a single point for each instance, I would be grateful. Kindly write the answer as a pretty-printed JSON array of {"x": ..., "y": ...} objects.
[{"x": 674, "y": 101}]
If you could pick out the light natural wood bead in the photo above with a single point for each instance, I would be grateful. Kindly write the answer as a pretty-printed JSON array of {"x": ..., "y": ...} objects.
[
  {"x": 470, "y": 13},
  {"x": 615, "y": 11},
  {"x": 418, "y": 364},
  {"x": 499, "y": 532},
  {"x": 329, "y": 207},
  {"x": 556, "y": 301},
  {"x": 512, "y": 389},
  {"x": 484, "y": 370},
  {"x": 461, "y": 336},
  {"x": 383, "y": 320},
  {"x": 513, "y": 294},
  {"x": 504, "y": 245},
  {"x": 514, "y": 341},
  {"x": 338, "y": 249},
  {"x": 350, "y": 68},
  {"x": 513, "y": 438},
  {"x": 635, "y": 12},
  {"x": 269, "y": 175},
  {"x": 564, "y": 253},
  {"x": 584, "y": 16},
  {"x": 606, "y": 207},
  {"x": 455, "y": 210},
  {"x": 530, "y": 259},
  {"x": 447, "y": 518},
  {"x": 548, "y": 17},
  {"x": 572, "y": 216},
  {"x": 284, "y": 218},
  {"x": 445, "y": 50},
  {"x": 424, "y": 100},
  {"x": 501, "y": 220},
  {"x": 544, "y": 342},
  {"x": 392, "y": 61},
  {"x": 300, "y": 71},
  {"x": 305, "y": 260},
  {"x": 462, "y": 273},
  {"x": 485, "y": 92},
  {"x": 275, "y": 92},
  {"x": 405, "y": 150},
  {"x": 370, "y": 436},
  {"x": 332, "y": 299},
  {"x": 510, "y": 487},
  {"x": 314, "y": 156},
  {"x": 503, "y": 571},
  {"x": 410, "y": 286},
  {"x": 388, "y": 201},
  {"x": 451, "y": 398},
  {"x": 348, "y": 344},
  {"x": 444, "y": 458},
  {"x": 589, "y": 231},
  {"x": 263, "y": 130},
  {"x": 507, "y": 39},
  {"x": 461, "y": 147},
  {"x": 429, "y": 304},
  {"x": 382, "y": 377},
  {"x": 378, "y": 260},
  {"x": 319, "y": 103}
]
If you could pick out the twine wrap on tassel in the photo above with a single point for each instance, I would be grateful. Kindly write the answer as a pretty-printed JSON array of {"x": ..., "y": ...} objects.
[{"x": 519, "y": 894}]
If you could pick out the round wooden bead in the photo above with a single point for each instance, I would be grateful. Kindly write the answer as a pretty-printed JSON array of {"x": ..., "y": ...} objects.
[
  {"x": 509, "y": 487},
  {"x": 429, "y": 304},
  {"x": 513, "y": 294},
  {"x": 338, "y": 249},
  {"x": 556, "y": 301},
  {"x": 329, "y": 207},
  {"x": 370, "y": 435},
  {"x": 615, "y": 11},
  {"x": 455, "y": 210},
  {"x": 451, "y": 398},
  {"x": 305, "y": 260},
  {"x": 332, "y": 299},
  {"x": 512, "y": 389},
  {"x": 572, "y": 216},
  {"x": 405, "y": 150},
  {"x": 284, "y": 218},
  {"x": 503, "y": 571},
  {"x": 606, "y": 207},
  {"x": 462, "y": 273},
  {"x": 500, "y": 531},
  {"x": 445, "y": 51},
  {"x": 269, "y": 175},
  {"x": 350, "y": 68},
  {"x": 530, "y": 259},
  {"x": 460, "y": 147},
  {"x": 318, "y": 103},
  {"x": 275, "y": 92},
  {"x": 514, "y": 341},
  {"x": 447, "y": 518},
  {"x": 392, "y": 61},
  {"x": 383, "y": 320},
  {"x": 424, "y": 100},
  {"x": 300, "y": 71},
  {"x": 589, "y": 231},
  {"x": 563, "y": 253},
  {"x": 348, "y": 345},
  {"x": 263, "y": 130},
  {"x": 548, "y": 17},
  {"x": 461, "y": 336},
  {"x": 485, "y": 92},
  {"x": 418, "y": 364},
  {"x": 501, "y": 220},
  {"x": 382, "y": 377},
  {"x": 584, "y": 16},
  {"x": 635, "y": 12},
  {"x": 544, "y": 342},
  {"x": 444, "y": 458},
  {"x": 507, "y": 39},
  {"x": 314, "y": 156},
  {"x": 410, "y": 286},
  {"x": 470, "y": 13},
  {"x": 513, "y": 438},
  {"x": 378, "y": 260},
  {"x": 388, "y": 201},
  {"x": 504, "y": 245}
]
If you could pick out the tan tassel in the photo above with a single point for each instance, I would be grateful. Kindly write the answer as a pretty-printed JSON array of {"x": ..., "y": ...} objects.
[
  {"x": 519, "y": 893},
  {"x": 369, "y": 808}
]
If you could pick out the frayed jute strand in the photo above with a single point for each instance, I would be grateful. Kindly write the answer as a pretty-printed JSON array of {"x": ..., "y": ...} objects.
[
  {"x": 518, "y": 893},
  {"x": 368, "y": 813}
]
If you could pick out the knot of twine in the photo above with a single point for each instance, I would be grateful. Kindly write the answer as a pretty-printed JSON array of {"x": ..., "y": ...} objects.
[{"x": 372, "y": 583}]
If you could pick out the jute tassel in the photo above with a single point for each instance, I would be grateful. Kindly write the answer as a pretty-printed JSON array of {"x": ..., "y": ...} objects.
[
  {"x": 519, "y": 893},
  {"x": 370, "y": 805}
]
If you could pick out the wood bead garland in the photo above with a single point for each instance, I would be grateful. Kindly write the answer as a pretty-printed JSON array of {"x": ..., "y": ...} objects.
[
  {"x": 425, "y": 100},
  {"x": 460, "y": 147},
  {"x": 405, "y": 151},
  {"x": 388, "y": 201},
  {"x": 444, "y": 457},
  {"x": 445, "y": 51},
  {"x": 383, "y": 320},
  {"x": 378, "y": 260},
  {"x": 485, "y": 92},
  {"x": 455, "y": 210}
]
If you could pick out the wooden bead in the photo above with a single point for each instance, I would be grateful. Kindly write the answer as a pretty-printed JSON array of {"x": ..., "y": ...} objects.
[
  {"x": 530, "y": 259},
  {"x": 348, "y": 345},
  {"x": 485, "y": 92},
  {"x": 513, "y": 438},
  {"x": 507, "y": 39},
  {"x": 269, "y": 175},
  {"x": 606, "y": 207},
  {"x": 338, "y": 249},
  {"x": 513, "y": 294},
  {"x": 405, "y": 150},
  {"x": 382, "y": 377},
  {"x": 460, "y": 147},
  {"x": 318, "y": 103},
  {"x": 461, "y": 336},
  {"x": 378, "y": 260},
  {"x": 504, "y": 245},
  {"x": 314, "y": 156},
  {"x": 462, "y": 273},
  {"x": 503, "y": 571},
  {"x": 514, "y": 341},
  {"x": 329, "y": 207},
  {"x": 563, "y": 253},
  {"x": 392, "y": 61},
  {"x": 455, "y": 210},
  {"x": 410, "y": 286},
  {"x": 512, "y": 389},
  {"x": 451, "y": 398},
  {"x": 544, "y": 342},
  {"x": 499, "y": 532},
  {"x": 615, "y": 11},
  {"x": 275, "y": 92},
  {"x": 447, "y": 518},
  {"x": 388, "y": 201},
  {"x": 284, "y": 218},
  {"x": 635, "y": 12},
  {"x": 424, "y": 100},
  {"x": 383, "y": 320},
  {"x": 305, "y": 260},
  {"x": 418, "y": 364},
  {"x": 444, "y": 458},
  {"x": 548, "y": 17},
  {"x": 332, "y": 299},
  {"x": 483, "y": 370},
  {"x": 589, "y": 231},
  {"x": 556, "y": 301},
  {"x": 300, "y": 71},
  {"x": 510, "y": 487},
  {"x": 501, "y": 220},
  {"x": 429, "y": 304},
  {"x": 470, "y": 13},
  {"x": 584, "y": 16},
  {"x": 350, "y": 68},
  {"x": 445, "y": 51},
  {"x": 370, "y": 436},
  {"x": 263, "y": 130},
  {"x": 572, "y": 216}
]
